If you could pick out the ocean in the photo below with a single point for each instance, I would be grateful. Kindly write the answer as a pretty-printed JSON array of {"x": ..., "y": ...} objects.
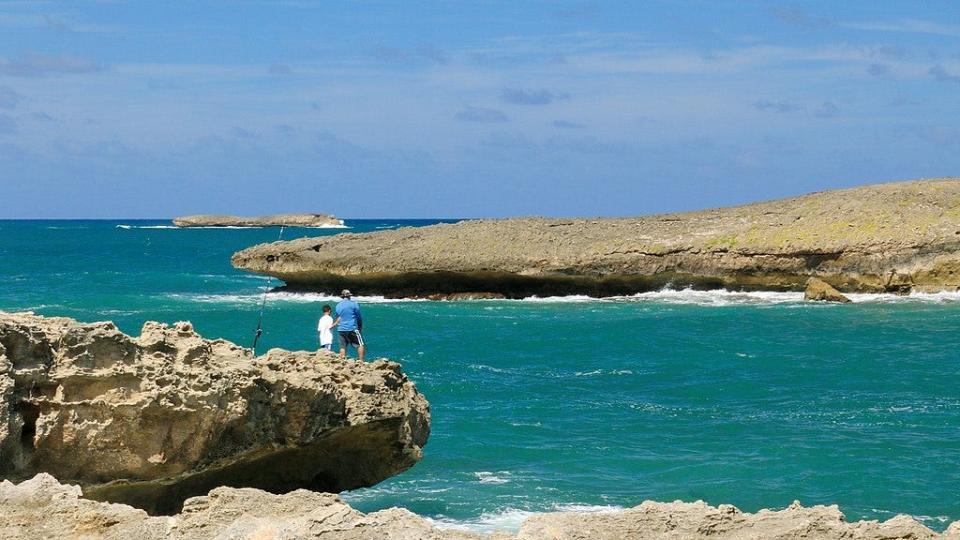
[{"x": 575, "y": 403}]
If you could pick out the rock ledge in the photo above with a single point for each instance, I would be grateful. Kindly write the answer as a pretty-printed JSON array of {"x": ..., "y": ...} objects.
[
  {"x": 253, "y": 514},
  {"x": 153, "y": 420},
  {"x": 897, "y": 237}
]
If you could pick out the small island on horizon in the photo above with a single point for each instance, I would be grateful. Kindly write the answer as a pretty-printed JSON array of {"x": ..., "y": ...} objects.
[{"x": 276, "y": 220}]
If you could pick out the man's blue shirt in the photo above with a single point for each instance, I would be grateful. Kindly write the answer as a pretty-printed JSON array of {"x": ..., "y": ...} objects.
[{"x": 349, "y": 313}]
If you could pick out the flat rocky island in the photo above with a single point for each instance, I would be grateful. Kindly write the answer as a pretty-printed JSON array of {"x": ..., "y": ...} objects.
[
  {"x": 896, "y": 237},
  {"x": 154, "y": 420},
  {"x": 285, "y": 220}
]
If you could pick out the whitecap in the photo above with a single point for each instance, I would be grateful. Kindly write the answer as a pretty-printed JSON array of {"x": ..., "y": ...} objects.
[
  {"x": 588, "y": 508},
  {"x": 510, "y": 519},
  {"x": 487, "y": 477},
  {"x": 722, "y": 297},
  {"x": 944, "y": 297},
  {"x": 924, "y": 518},
  {"x": 561, "y": 299},
  {"x": 717, "y": 297},
  {"x": 603, "y": 372},
  {"x": 712, "y": 298}
]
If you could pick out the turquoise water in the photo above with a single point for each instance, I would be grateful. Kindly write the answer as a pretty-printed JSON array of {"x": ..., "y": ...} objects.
[{"x": 754, "y": 400}]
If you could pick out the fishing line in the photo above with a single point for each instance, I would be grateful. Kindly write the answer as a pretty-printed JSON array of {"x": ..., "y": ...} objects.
[{"x": 263, "y": 303}]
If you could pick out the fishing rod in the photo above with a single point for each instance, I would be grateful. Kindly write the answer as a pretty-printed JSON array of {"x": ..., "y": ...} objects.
[{"x": 263, "y": 303}]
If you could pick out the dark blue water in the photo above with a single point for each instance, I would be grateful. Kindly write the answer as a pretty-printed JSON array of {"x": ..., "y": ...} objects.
[{"x": 750, "y": 399}]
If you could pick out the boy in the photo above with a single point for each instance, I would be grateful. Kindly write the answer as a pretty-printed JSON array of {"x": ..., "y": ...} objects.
[{"x": 324, "y": 328}]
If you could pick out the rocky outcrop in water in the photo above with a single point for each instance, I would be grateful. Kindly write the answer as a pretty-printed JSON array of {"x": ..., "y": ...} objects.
[
  {"x": 287, "y": 220},
  {"x": 897, "y": 237},
  {"x": 820, "y": 291},
  {"x": 25, "y": 510},
  {"x": 153, "y": 420}
]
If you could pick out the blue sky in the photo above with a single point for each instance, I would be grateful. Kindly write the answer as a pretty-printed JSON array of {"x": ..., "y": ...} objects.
[{"x": 466, "y": 109}]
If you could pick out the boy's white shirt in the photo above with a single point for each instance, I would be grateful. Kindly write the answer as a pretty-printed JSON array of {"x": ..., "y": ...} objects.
[{"x": 324, "y": 326}]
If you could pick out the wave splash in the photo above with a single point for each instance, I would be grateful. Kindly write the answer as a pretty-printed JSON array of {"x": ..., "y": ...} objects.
[
  {"x": 510, "y": 519},
  {"x": 721, "y": 297},
  {"x": 715, "y": 298}
]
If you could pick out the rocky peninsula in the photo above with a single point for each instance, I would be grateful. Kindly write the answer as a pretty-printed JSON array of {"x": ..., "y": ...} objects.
[
  {"x": 286, "y": 220},
  {"x": 153, "y": 420},
  {"x": 25, "y": 509},
  {"x": 896, "y": 237}
]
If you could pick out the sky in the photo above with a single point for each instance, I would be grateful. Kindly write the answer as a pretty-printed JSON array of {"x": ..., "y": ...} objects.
[{"x": 112, "y": 109}]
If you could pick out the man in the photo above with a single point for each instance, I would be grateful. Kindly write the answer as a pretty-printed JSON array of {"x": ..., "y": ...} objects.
[{"x": 349, "y": 324}]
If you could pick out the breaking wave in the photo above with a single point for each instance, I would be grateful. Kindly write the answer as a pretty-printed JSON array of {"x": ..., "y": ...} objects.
[
  {"x": 715, "y": 298},
  {"x": 722, "y": 297},
  {"x": 510, "y": 519}
]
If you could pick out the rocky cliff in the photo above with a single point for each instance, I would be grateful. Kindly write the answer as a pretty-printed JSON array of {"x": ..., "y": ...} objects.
[
  {"x": 25, "y": 510},
  {"x": 894, "y": 237},
  {"x": 288, "y": 220},
  {"x": 153, "y": 420}
]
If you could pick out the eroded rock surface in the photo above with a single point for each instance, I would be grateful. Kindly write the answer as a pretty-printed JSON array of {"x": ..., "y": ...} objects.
[
  {"x": 253, "y": 514},
  {"x": 287, "y": 220},
  {"x": 820, "y": 291},
  {"x": 894, "y": 237},
  {"x": 153, "y": 420}
]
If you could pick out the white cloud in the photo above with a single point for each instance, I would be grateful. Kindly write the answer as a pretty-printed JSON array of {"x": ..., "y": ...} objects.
[
  {"x": 35, "y": 64},
  {"x": 914, "y": 26}
]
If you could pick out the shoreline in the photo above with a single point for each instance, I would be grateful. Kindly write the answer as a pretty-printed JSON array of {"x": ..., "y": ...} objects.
[
  {"x": 664, "y": 296},
  {"x": 252, "y": 513}
]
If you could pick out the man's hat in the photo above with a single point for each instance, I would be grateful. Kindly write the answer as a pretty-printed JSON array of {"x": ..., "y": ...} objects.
[{"x": 345, "y": 293}]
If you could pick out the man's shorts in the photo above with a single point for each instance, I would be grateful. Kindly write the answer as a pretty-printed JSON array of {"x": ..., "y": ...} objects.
[{"x": 350, "y": 337}]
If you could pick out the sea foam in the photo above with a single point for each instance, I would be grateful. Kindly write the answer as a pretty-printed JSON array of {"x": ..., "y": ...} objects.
[
  {"x": 510, "y": 519},
  {"x": 714, "y": 298}
]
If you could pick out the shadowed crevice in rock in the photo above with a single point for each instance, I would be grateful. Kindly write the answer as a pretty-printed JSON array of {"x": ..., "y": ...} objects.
[
  {"x": 346, "y": 458},
  {"x": 153, "y": 420},
  {"x": 423, "y": 284}
]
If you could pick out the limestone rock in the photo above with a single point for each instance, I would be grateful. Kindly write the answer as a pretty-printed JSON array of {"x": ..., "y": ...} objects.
[
  {"x": 232, "y": 513},
  {"x": 893, "y": 237},
  {"x": 698, "y": 520},
  {"x": 821, "y": 291},
  {"x": 153, "y": 420},
  {"x": 253, "y": 514},
  {"x": 287, "y": 220}
]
